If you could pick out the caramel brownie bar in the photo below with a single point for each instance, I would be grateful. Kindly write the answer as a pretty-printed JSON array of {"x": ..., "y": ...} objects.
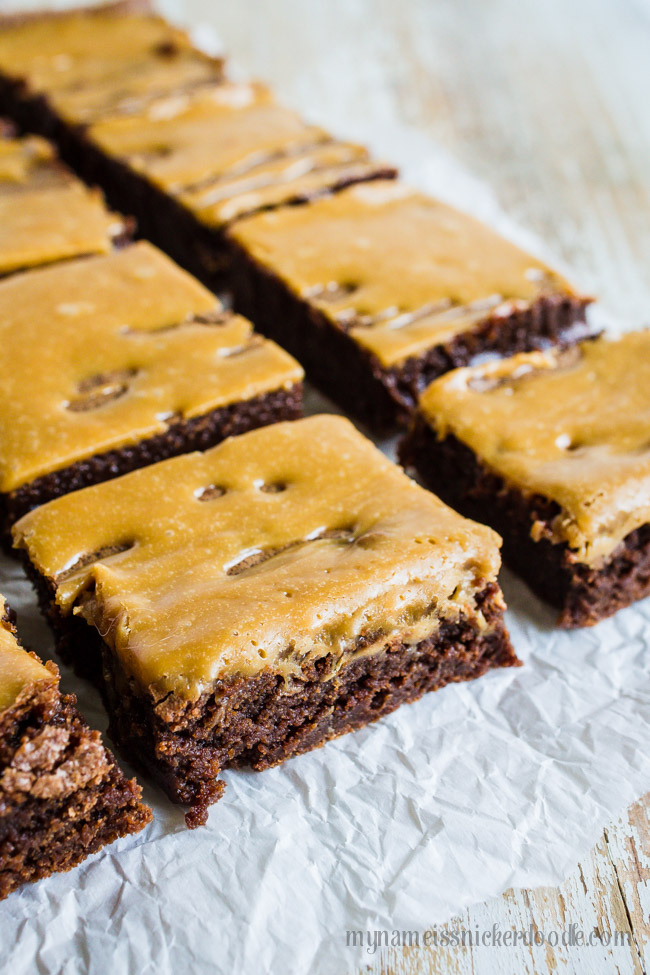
[
  {"x": 380, "y": 289},
  {"x": 120, "y": 360},
  {"x": 111, "y": 58},
  {"x": 62, "y": 795},
  {"x": 256, "y": 600},
  {"x": 553, "y": 450},
  {"x": 186, "y": 159},
  {"x": 47, "y": 214}
]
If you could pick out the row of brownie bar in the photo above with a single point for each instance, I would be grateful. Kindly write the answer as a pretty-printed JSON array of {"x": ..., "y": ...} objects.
[
  {"x": 88, "y": 318},
  {"x": 378, "y": 290},
  {"x": 105, "y": 343},
  {"x": 117, "y": 360}
]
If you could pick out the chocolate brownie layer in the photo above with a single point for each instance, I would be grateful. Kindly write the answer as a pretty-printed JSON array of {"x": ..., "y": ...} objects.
[
  {"x": 62, "y": 796},
  {"x": 199, "y": 433},
  {"x": 583, "y": 594},
  {"x": 379, "y": 289},
  {"x": 254, "y": 721},
  {"x": 255, "y": 600}
]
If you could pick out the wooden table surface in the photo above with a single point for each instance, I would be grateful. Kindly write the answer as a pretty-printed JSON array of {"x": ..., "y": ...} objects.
[{"x": 547, "y": 101}]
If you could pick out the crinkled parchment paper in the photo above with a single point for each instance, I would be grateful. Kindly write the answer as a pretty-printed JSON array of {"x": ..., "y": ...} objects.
[{"x": 503, "y": 781}]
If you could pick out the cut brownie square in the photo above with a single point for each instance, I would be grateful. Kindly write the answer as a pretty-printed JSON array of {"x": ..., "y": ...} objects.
[
  {"x": 62, "y": 795},
  {"x": 120, "y": 360},
  {"x": 380, "y": 289},
  {"x": 46, "y": 213},
  {"x": 182, "y": 152},
  {"x": 553, "y": 450},
  {"x": 254, "y": 601},
  {"x": 117, "y": 53}
]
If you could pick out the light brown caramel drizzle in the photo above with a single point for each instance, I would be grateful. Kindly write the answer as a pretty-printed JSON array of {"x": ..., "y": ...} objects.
[
  {"x": 133, "y": 88},
  {"x": 254, "y": 163},
  {"x": 147, "y": 98},
  {"x": 113, "y": 351},
  {"x": 572, "y": 426},
  {"x": 399, "y": 271},
  {"x": 281, "y": 546}
]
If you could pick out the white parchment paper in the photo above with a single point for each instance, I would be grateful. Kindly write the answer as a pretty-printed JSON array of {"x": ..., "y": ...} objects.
[{"x": 504, "y": 781}]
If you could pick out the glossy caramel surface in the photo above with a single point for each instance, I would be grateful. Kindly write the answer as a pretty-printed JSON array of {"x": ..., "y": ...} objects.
[
  {"x": 398, "y": 270},
  {"x": 108, "y": 351},
  {"x": 46, "y": 214}
]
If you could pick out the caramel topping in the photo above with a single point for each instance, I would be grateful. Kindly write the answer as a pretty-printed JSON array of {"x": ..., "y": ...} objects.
[
  {"x": 572, "y": 426},
  {"x": 45, "y": 213},
  {"x": 22, "y": 159},
  {"x": 127, "y": 89},
  {"x": 285, "y": 175},
  {"x": 81, "y": 48},
  {"x": 399, "y": 271},
  {"x": 111, "y": 350},
  {"x": 194, "y": 137},
  {"x": 289, "y": 544},
  {"x": 230, "y": 150},
  {"x": 17, "y": 667}
]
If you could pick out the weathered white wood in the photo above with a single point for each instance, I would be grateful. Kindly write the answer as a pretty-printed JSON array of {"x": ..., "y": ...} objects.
[{"x": 606, "y": 894}]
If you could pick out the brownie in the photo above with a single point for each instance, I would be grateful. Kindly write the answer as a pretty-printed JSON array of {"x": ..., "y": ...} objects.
[
  {"x": 62, "y": 795},
  {"x": 186, "y": 156},
  {"x": 380, "y": 289},
  {"x": 46, "y": 213},
  {"x": 105, "y": 58},
  {"x": 246, "y": 604},
  {"x": 120, "y": 360},
  {"x": 551, "y": 450}
]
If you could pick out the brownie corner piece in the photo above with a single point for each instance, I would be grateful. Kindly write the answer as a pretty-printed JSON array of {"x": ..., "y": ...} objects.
[
  {"x": 379, "y": 289},
  {"x": 312, "y": 588},
  {"x": 62, "y": 795},
  {"x": 551, "y": 450}
]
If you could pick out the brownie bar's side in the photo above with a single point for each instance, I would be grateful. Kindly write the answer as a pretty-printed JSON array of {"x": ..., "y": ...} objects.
[
  {"x": 252, "y": 722},
  {"x": 332, "y": 360},
  {"x": 354, "y": 377},
  {"x": 551, "y": 320},
  {"x": 62, "y": 795},
  {"x": 197, "y": 433},
  {"x": 583, "y": 595}
]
